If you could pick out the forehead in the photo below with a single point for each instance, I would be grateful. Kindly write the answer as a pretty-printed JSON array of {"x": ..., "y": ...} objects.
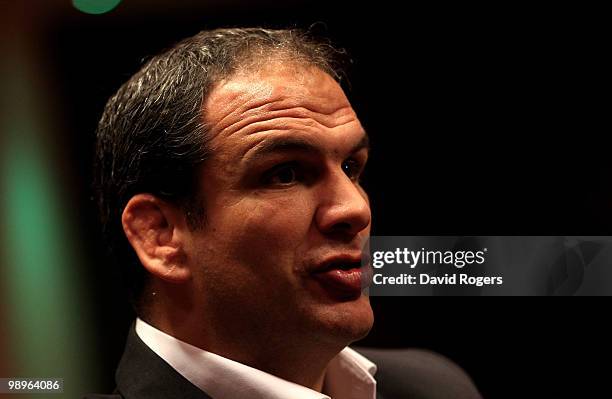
[{"x": 275, "y": 86}]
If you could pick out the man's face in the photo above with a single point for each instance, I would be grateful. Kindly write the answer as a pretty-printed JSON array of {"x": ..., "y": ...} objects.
[{"x": 285, "y": 214}]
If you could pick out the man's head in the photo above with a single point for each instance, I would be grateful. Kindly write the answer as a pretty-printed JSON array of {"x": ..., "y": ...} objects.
[{"x": 232, "y": 163}]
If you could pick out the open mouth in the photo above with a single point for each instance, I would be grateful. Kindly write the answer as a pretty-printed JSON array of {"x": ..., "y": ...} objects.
[
  {"x": 340, "y": 265},
  {"x": 342, "y": 278}
]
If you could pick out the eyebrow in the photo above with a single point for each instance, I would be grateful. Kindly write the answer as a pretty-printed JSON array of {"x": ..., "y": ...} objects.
[{"x": 289, "y": 144}]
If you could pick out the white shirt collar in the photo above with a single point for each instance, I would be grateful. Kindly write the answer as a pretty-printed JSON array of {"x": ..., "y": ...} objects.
[{"x": 349, "y": 375}]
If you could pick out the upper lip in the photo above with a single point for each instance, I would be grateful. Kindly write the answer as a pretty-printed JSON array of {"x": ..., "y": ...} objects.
[{"x": 337, "y": 261}]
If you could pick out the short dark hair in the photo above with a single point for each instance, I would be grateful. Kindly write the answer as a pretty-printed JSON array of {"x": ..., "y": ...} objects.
[{"x": 152, "y": 134}]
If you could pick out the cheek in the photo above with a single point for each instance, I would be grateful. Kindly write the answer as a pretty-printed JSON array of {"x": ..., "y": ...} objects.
[
  {"x": 267, "y": 229},
  {"x": 279, "y": 219}
]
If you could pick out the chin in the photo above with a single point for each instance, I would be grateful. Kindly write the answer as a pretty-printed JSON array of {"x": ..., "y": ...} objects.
[{"x": 346, "y": 322}]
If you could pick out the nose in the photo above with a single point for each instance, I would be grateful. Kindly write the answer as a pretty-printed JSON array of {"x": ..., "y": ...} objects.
[{"x": 343, "y": 209}]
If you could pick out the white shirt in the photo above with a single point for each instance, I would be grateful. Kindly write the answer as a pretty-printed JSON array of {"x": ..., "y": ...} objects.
[{"x": 349, "y": 374}]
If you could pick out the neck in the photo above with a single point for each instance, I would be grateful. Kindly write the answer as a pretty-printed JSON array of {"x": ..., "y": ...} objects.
[{"x": 300, "y": 360}]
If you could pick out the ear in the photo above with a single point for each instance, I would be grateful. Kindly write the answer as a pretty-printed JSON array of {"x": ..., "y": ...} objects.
[{"x": 152, "y": 227}]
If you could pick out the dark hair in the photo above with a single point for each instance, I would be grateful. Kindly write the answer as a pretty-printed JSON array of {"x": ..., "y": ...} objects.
[{"x": 152, "y": 133}]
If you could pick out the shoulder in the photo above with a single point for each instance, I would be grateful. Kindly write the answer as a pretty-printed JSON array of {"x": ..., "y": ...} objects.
[{"x": 419, "y": 374}]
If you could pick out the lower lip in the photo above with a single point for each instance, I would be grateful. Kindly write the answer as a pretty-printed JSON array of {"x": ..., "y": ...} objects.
[{"x": 342, "y": 282}]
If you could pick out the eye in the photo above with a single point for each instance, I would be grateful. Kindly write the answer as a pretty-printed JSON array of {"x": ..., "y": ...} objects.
[
  {"x": 282, "y": 175},
  {"x": 352, "y": 168}
]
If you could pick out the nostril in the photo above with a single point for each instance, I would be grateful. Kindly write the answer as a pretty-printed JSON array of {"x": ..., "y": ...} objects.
[{"x": 342, "y": 226}]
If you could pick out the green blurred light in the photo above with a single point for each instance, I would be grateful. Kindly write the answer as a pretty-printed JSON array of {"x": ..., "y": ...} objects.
[
  {"x": 95, "y": 6},
  {"x": 46, "y": 323}
]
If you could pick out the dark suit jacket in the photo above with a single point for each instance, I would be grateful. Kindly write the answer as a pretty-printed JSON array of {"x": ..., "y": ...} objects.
[{"x": 402, "y": 374}]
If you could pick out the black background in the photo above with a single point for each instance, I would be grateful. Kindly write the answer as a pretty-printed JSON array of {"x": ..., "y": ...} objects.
[{"x": 483, "y": 120}]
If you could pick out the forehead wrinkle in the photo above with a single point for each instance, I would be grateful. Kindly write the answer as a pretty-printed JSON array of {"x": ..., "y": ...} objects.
[
  {"x": 295, "y": 119},
  {"x": 241, "y": 112},
  {"x": 248, "y": 95},
  {"x": 307, "y": 110},
  {"x": 236, "y": 102}
]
